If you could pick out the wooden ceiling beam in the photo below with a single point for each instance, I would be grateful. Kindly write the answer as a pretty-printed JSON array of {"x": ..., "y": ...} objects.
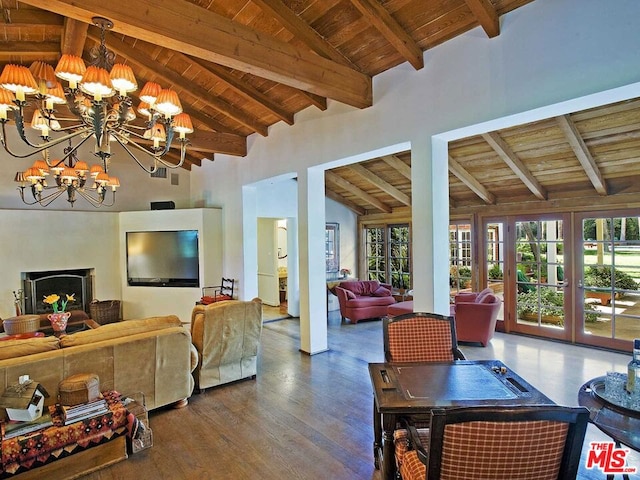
[
  {"x": 302, "y": 31},
  {"x": 43, "y": 49},
  {"x": 381, "y": 184},
  {"x": 357, "y": 209},
  {"x": 242, "y": 88},
  {"x": 505, "y": 152},
  {"x": 183, "y": 26},
  {"x": 486, "y": 14},
  {"x": 74, "y": 37},
  {"x": 23, "y": 17},
  {"x": 179, "y": 82},
  {"x": 470, "y": 181},
  {"x": 582, "y": 153},
  {"x": 342, "y": 183},
  {"x": 395, "y": 34},
  {"x": 401, "y": 167}
]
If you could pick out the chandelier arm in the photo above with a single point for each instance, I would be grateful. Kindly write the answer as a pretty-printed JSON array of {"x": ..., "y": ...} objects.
[
  {"x": 43, "y": 201},
  {"x": 68, "y": 153},
  {"x": 117, "y": 136},
  {"x": 93, "y": 201},
  {"x": 38, "y": 148},
  {"x": 183, "y": 151},
  {"x": 132, "y": 155}
]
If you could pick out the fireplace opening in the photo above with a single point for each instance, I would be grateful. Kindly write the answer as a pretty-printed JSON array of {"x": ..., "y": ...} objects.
[{"x": 38, "y": 285}]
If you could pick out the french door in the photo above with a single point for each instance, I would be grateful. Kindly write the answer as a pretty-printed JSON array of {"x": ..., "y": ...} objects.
[
  {"x": 541, "y": 304},
  {"x": 525, "y": 265},
  {"x": 608, "y": 273}
]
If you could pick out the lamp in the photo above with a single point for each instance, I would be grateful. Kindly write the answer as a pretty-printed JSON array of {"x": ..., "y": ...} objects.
[
  {"x": 70, "y": 178},
  {"x": 97, "y": 97}
]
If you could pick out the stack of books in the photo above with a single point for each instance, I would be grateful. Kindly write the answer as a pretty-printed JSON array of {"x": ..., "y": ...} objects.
[
  {"x": 12, "y": 429},
  {"x": 83, "y": 411}
]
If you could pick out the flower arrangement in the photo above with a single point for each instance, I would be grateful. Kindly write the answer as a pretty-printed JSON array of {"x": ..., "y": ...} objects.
[
  {"x": 345, "y": 271},
  {"x": 53, "y": 301}
]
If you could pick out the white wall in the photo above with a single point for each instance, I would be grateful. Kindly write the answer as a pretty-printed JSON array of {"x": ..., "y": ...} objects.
[
  {"x": 548, "y": 51},
  {"x": 45, "y": 240},
  {"x": 348, "y": 221}
]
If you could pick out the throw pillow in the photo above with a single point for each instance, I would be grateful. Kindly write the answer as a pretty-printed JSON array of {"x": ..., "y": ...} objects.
[
  {"x": 489, "y": 298},
  {"x": 381, "y": 292}
]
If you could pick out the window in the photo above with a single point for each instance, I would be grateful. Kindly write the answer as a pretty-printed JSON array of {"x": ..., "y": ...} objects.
[
  {"x": 460, "y": 256},
  {"x": 388, "y": 254}
]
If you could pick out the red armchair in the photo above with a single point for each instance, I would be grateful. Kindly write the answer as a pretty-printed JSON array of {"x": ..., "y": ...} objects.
[
  {"x": 476, "y": 315},
  {"x": 363, "y": 299}
]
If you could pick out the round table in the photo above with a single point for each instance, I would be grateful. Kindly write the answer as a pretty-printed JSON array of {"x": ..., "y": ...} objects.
[{"x": 621, "y": 424}]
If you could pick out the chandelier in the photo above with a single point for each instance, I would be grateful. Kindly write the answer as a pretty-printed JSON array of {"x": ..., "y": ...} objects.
[{"x": 97, "y": 97}]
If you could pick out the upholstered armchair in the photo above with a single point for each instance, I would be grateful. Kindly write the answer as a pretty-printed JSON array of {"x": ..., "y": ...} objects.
[
  {"x": 476, "y": 315},
  {"x": 363, "y": 299},
  {"x": 227, "y": 336}
]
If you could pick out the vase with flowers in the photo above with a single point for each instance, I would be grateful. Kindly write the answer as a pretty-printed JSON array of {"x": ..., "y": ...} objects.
[{"x": 60, "y": 316}]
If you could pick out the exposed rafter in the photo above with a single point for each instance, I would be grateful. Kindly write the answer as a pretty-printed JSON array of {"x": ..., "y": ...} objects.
[
  {"x": 510, "y": 158},
  {"x": 381, "y": 184},
  {"x": 469, "y": 180},
  {"x": 347, "y": 203},
  {"x": 487, "y": 17},
  {"x": 74, "y": 37},
  {"x": 333, "y": 178},
  {"x": 392, "y": 31},
  {"x": 182, "y": 26},
  {"x": 398, "y": 164},
  {"x": 302, "y": 31},
  {"x": 582, "y": 153},
  {"x": 181, "y": 84}
]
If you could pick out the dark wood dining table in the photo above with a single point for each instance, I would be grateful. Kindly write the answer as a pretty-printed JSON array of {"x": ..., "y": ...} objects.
[{"x": 414, "y": 389}]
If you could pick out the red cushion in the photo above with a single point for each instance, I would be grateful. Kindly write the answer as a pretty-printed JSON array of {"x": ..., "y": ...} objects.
[
  {"x": 489, "y": 298},
  {"x": 381, "y": 292}
]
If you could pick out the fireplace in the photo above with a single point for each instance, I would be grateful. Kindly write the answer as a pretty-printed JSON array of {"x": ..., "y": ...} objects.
[{"x": 38, "y": 285}]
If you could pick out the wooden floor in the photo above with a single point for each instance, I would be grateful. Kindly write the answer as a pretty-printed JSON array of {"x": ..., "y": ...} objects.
[{"x": 310, "y": 417}]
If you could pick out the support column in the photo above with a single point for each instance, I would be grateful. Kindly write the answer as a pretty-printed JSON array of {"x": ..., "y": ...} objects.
[{"x": 313, "y": 283}]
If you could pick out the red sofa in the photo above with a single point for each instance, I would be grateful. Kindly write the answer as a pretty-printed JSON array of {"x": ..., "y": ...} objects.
[
  {"x": 476, "y": 315},
  {"x": 363, "y": 299}
]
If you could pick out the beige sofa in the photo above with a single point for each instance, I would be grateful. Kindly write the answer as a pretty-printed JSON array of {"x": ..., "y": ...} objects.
[
  {"x": 153, "y": 355},
  {"x": 227, "y": 336}
]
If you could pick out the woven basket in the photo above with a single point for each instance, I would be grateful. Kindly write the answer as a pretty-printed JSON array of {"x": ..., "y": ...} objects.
[
  {"x": 106, "y": 311},
  {"x": 21, "y": 324}
]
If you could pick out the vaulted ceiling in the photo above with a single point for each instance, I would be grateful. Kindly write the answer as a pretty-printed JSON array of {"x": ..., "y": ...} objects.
[{"x": 241, "y": 66}]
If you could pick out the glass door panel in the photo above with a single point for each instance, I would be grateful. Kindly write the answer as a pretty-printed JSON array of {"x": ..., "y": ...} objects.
[
  {"x": 609, "y": 288},
  {"x": 496, "y": 257},
  {"x": 540, "y": 299},
  {"x": 460, "y": 257}
]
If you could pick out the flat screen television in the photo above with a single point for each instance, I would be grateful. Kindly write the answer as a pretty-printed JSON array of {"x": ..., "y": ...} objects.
[{"x": 163, "y": 259}]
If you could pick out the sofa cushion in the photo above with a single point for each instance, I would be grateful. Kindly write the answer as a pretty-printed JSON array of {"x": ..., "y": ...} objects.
[
  {"x": 362, "y": 287},
  {"x": 120, "y": 329},
  {"x": 381, "y": 292},
  {"x": 364, "y": 301},
  {"x": 29, "y": 346}
]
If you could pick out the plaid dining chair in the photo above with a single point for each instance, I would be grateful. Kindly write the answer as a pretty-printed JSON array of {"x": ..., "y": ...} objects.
[
  {"x": 418, "y": 337},
  {"x": 498, "y": 443}
]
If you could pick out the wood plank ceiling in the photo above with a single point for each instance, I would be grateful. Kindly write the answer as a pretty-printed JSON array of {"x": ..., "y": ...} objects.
[
  {"x": 588, "y": 157},
  {"x": 241, "y": 66}
]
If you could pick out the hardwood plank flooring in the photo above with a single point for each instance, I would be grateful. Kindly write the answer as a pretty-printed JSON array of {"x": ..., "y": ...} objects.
[{"x": 309, "y": 417}]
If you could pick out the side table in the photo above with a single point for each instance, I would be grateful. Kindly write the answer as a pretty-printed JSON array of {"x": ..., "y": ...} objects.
[{"x": 621, "y": 424}]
